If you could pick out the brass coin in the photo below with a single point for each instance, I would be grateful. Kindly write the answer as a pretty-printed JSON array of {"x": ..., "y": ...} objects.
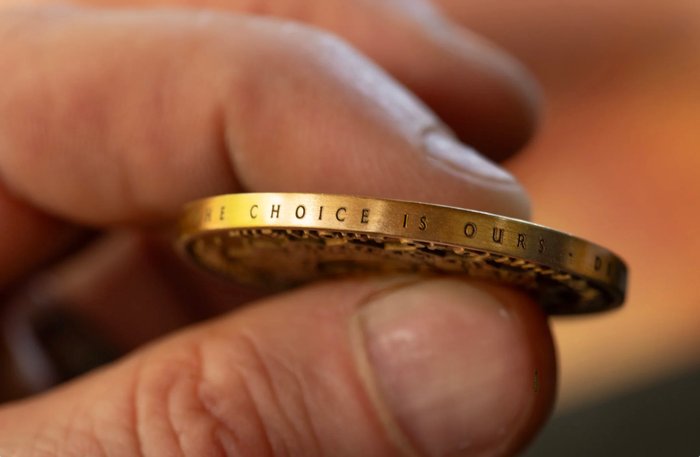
[{"x": 284, "y": 239}]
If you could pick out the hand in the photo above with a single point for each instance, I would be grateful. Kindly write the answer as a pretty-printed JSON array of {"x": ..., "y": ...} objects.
[{"x": 113, "y": 119}]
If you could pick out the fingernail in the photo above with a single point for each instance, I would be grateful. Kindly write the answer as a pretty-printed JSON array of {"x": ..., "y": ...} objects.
[
  {"x": 448, "y": 153},
  {"x": 448, "y": 362},
  {"x": 498, "y": 190}
]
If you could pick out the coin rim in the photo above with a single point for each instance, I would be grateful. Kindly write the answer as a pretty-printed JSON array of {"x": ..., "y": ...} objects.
[{"x": 194, "y": 224}]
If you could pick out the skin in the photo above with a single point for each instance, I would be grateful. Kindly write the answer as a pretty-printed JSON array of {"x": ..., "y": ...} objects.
[
  {"x": 594, "y": 96},
  {"x": 103, "y": 111}
]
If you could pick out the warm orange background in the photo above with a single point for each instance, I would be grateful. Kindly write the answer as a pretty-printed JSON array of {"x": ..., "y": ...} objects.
[{"x": 618, "y": 162}]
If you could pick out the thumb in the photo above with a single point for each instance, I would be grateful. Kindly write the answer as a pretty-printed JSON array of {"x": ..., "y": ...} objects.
[{"x": 360, "y": 367}]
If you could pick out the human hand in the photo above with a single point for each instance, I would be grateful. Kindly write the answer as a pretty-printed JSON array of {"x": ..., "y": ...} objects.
[{"x": 115, "y": 119}]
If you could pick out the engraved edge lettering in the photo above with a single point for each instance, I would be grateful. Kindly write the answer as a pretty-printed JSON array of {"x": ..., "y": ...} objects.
[
  {"x": 608, "y": 271},
  {"x": 365, "y": 216}
]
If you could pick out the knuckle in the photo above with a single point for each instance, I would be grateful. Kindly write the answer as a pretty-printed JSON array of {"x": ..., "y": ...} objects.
[
  {"x": 210, "y": 399},
  {"x": 168, "y": 416}
]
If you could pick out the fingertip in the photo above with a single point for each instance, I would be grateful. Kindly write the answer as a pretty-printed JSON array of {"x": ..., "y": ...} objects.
[
  {"x": 457, "y": 368},
  {"x": 537, "y": 336},
  {"x": 499, "y": 191}
]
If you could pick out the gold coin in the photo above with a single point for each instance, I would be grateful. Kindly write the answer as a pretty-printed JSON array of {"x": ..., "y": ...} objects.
[{"x": 284, "y": 239}]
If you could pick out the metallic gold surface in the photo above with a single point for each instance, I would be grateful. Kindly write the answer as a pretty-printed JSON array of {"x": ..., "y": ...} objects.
[{"x": 284, "y": 239}]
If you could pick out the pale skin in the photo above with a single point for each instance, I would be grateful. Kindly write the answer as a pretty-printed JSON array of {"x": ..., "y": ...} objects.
[{"x": 113, "y": 120}]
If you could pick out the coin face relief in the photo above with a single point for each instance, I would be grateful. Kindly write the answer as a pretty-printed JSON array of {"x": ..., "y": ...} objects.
[{"x": 278, "y": 240}]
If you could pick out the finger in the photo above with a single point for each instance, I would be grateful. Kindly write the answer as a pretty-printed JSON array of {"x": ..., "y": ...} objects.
[
  {"x": 125, "y": 124},
  {"x": 120, "y": 292},
  {"x": 235, "y": 104},
  {"x": 399, "y": 367},
  {"x": 485, "y": 96}
]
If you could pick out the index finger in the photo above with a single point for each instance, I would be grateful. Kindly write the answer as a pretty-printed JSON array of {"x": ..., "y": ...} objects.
[{"x": 112, "y": 118}]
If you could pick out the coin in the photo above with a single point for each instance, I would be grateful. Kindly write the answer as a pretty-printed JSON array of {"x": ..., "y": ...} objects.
[{"x": 278, "y": 240}]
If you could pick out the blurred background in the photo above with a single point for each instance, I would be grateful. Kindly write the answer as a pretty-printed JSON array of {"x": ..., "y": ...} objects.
[{"x": 617, "y": 161}]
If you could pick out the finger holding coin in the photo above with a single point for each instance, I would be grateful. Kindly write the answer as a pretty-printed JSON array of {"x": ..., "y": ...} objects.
[{"x": 165, "y": 106}]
